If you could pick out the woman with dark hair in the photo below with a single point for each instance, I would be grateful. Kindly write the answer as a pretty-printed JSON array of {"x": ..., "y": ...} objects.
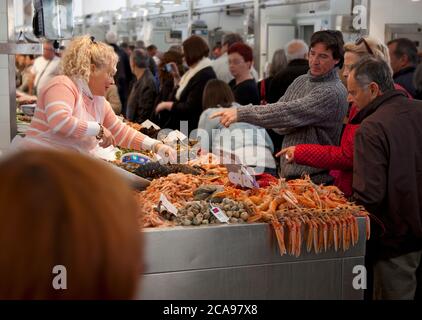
[
  {"x": 165, "y": 74},
  {"x": 251, "y": 144},
  {"x": 243, "y": 85},
  {"x": 74, "y": 225},
  {"x": 166, "y": 80},
  {"x": 144, "y": 91},
  {"x": 187, "y": 102}
]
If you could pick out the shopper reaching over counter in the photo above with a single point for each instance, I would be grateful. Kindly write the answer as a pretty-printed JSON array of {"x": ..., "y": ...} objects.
[
  {"x": 72, "y": 112},
  {"x": 339, "y": 159},
  {"x": 311, "y": 111}
]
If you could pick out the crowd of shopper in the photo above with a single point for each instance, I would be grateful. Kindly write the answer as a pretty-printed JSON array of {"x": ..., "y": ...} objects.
[{"x": 361, "y": 132}]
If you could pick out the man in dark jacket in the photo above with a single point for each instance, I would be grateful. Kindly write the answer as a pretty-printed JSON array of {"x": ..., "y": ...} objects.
[
  {"x": 123, "y": 76},
  {"x": 144, "y": 91},
  {"x": 404, "y": 59},
  {"x": 298, "y": 64},
  {"x": 387, "y": 178}
]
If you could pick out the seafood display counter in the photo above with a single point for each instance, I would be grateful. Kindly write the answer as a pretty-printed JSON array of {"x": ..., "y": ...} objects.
[{"x": 242, "y": 261}]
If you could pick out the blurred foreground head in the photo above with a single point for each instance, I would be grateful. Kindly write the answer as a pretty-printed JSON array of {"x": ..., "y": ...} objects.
[{"x": 64, "y": 209}]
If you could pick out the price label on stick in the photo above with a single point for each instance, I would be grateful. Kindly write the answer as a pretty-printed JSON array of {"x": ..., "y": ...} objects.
[
  {"x": 219, "y": 214},
  {"x": 147, "y": 124},
  {"x": 248, "y": 179},
  {"x": 174, "y": 136},
  {"x": 241, "y": 176},
  {"x": 166, "y": 205}
]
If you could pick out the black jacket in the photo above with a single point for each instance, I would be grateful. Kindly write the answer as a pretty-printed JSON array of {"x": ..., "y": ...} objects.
[
  {"x": 245, "y": 92},
  {"x": 165, "y": 94},
  {"x": 142, "y": 97},
  {"x": 283, "y": 79},
  {"x": 405, "y": 78},
  {"x": 387, "y": 173},
  {"x": 123, "y": 76},
  {"x": 189, "y": 106}
]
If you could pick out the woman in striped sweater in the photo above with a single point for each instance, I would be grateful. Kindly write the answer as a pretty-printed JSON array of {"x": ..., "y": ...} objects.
[{"x": 72, "y": 112}]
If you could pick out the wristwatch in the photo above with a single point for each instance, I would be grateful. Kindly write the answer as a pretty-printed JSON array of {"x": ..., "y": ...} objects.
[{"x": 100, "y": 134}]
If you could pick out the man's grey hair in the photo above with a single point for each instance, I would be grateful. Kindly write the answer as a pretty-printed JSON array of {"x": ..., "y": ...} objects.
[
  {"x": 370, "y": 70},
  {"x": 231, "y": 38},
  {"x": 111, "y": 37},
  {"x": 296, "y": 49}
]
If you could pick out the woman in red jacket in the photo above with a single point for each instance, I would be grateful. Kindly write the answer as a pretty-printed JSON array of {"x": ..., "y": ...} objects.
[{"x": 339, "y": 159}]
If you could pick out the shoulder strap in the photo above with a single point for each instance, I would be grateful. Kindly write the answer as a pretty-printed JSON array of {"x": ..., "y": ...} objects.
[{"x": 42, "y": 73}]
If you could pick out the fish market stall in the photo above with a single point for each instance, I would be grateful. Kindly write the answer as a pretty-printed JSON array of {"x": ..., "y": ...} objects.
[
  {"x": 206, "y": 238},
  {"x": 243, "y": 262}
]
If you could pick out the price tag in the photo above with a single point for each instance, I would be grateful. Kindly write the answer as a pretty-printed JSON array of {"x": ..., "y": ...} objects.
[
  {"x": 148, "y": 124},
  {"x": 174, "y": 136},
  {"x": 219, "y": 214},
  {"x": 166, "y": 205},
  {"x": 242, "y": 176},
  {"x": 249, "y": 178}
]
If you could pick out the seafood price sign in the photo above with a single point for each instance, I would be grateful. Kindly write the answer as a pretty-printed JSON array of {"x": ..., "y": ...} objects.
[
  {"x": 241, "y": 175},
  {"x": 166, "y": 205},
  {"x": 219, "y": 214}
]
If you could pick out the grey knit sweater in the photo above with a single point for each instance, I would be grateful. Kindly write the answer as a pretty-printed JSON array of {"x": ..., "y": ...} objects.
[{"x": 311, "y": 112}]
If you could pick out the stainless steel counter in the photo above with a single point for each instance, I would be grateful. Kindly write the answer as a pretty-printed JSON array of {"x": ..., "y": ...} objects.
[{"x": 243, "y": 262}]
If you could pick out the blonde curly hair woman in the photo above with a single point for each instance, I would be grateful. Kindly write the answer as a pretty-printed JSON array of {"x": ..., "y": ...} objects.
[{"x": 72, "y": 112}]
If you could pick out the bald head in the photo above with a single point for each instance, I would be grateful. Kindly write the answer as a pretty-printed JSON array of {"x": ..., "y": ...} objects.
[{"x": 296, "y": 49}]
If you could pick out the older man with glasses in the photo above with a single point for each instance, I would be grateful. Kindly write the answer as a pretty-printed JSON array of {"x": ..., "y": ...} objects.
[{"x": 387, "y": 178}]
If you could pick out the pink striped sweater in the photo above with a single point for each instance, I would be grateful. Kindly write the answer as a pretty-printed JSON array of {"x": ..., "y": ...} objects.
[{"x": 55, "y": 111}]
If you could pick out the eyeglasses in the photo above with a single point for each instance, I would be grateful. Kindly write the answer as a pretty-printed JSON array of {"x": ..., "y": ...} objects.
[
  {"x": 368, "y": 48},
  {"x": 235, "y": 62}
]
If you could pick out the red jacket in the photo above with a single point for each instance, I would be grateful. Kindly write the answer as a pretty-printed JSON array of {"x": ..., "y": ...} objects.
[{"x": 339, "y": 159}]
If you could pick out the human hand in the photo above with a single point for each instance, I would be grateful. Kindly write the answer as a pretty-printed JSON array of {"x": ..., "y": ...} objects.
[
  {"x": 288, "y": 153},
  {"x": 167, "y": 153},
  {"x": 107, "y": 139},
  {"x": 166, "y": 105},
  {"x": 228, "y": 116}
]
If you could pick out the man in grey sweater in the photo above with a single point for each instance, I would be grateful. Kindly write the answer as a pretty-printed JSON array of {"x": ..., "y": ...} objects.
[{"x": 312, "y": 109}]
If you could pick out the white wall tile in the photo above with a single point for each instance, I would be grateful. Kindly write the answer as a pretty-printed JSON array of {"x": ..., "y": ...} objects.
[
  {"x": 4, "y": 109},
  {"x": 4, "y": 135},
  {"x": 3, "y": 6},
  {"x": 3, "y": 27},
  {"x": 4, "y": 82},
  {"x": 4, "y": 61}
]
